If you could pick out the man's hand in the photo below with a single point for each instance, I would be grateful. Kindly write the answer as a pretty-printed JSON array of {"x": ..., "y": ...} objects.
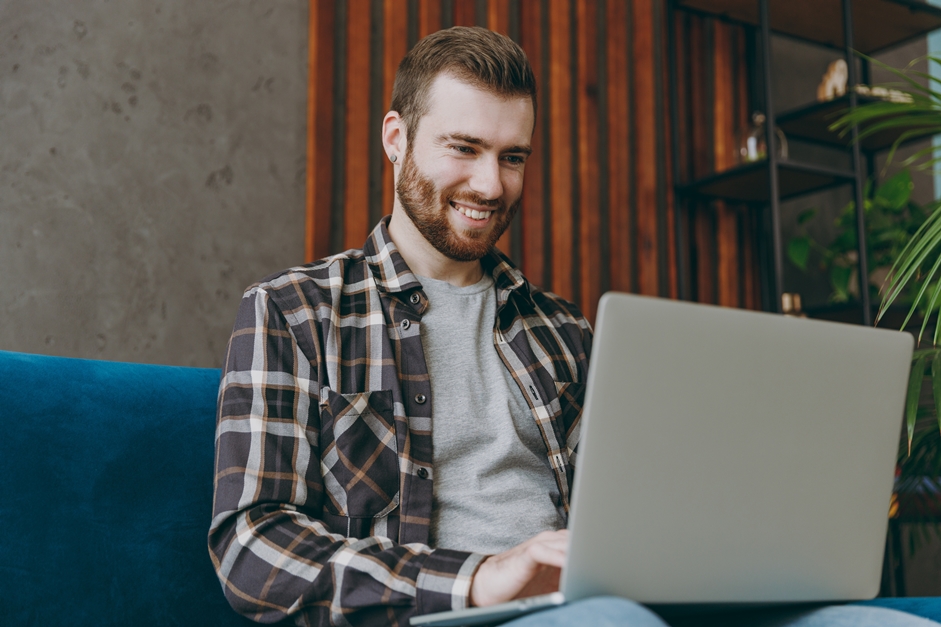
[{"x": 527, "y": 569}]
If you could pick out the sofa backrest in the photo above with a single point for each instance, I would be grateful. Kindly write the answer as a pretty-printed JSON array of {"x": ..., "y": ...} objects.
[{"x": 106, "y": 494}]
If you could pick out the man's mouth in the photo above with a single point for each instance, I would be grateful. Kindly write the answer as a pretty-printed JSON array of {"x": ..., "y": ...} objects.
[{"x": 473, "y": 214}]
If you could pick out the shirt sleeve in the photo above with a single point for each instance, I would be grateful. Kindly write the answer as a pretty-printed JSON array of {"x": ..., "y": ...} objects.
[{"x": 272, "y": 553}]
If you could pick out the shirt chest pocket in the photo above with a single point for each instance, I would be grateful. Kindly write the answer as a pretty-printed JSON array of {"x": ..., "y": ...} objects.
[{"x": 358, "y": 454}]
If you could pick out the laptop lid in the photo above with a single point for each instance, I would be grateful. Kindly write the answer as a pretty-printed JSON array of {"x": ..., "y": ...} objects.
[{"x": 730, "y": 456}]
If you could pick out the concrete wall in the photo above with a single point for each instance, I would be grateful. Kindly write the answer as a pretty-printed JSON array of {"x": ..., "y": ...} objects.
[{"x": 151, "y": 166}]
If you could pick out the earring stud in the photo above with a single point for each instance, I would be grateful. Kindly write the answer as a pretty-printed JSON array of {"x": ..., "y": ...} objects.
[{"x": 392, "y": 158}]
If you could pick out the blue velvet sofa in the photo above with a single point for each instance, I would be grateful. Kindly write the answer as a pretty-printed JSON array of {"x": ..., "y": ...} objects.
[{"x": 106, "y": 496}]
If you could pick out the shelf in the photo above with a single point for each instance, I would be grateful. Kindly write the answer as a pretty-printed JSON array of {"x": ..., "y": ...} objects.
[
  {"x": 878, "y": 24},
  {"x": 749, "y": 183},
  {"x": 811, "y": 122},
  {"x": 852, "y": 313}
]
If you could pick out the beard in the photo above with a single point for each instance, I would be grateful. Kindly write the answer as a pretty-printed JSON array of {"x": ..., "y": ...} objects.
[{"x": 427, "y": 207}]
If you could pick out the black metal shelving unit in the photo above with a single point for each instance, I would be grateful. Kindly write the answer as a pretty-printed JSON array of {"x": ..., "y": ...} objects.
[{"x": 867, "y": 26}]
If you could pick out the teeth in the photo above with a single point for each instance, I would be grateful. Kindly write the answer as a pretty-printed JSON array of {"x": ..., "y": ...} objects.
[{"x": 473, "y": 213}]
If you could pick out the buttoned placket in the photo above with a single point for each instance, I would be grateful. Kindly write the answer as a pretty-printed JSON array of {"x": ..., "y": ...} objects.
[
  {"x": 416, "y": 395},
  {"x": 539, "y": 403}
]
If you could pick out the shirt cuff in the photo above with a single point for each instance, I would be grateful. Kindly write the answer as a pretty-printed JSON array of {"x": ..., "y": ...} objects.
[{"x": 444, "y": 581}]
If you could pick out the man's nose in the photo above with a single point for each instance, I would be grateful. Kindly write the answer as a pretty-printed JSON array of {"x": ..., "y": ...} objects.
[{"x": 485, "y": 179}]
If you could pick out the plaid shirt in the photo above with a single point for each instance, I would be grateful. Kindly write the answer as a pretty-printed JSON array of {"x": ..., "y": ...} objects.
[{"x": 323, "y": 483}]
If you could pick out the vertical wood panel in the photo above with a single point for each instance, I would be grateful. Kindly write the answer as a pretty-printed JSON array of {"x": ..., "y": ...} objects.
[
  {"x": 668, "y": 181},
  {"x": 429, "y": 17},
  {"x": 619, "y": 141},
  {"x": 750, "y": 289},
  {"x": 531, "y": 216},
  {"x": 723, "y": 106},
  {"x": 358, "y": 136},
  {"x": 646, "y": 147},
  {"x": 588, "y": 165},
  {"x": 684, "y": 162},
  {"x": 395, "y": 45},
  {"x": 727, "y": 254},
  {"x": 752, "y": 297},
  {"x": 683, "y": 95},
  {"x": 560, "y": 138},
  {"x": 465, "y": 12},
  {"x": 498, "y": 16},
  {"x": 740, "y": 60},
  {"x": 701, "y": 233},
  {"x": 700, "y": 158},
  {"x": 723, "y": 136},
  {"x": 320, "y": 129}
]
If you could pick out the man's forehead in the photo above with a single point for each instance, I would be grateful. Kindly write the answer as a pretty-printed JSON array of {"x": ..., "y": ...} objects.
[
  {"x": 461, "y": 109},
  {"x": 447, "y": 83}
]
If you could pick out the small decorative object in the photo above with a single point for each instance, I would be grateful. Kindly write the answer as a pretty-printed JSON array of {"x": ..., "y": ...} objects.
[
  {"x": 752, "y": 145},
  {"x": 833, "y": 84},
  {"x": 791, "y": 305},
  {"x": 892, "y": 95}
]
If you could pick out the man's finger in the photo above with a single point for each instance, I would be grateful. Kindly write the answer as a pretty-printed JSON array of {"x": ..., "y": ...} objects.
[{"x": 550, "y": 554}]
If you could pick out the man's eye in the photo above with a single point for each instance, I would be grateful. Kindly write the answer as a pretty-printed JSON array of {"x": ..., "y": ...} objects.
[
  {"x": 464, "y": 150},
  {"x": 516, "y": 159}
]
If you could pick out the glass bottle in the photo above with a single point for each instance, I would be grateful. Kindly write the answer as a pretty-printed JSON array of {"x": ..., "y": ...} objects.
[{"x": 752, "y": 144}]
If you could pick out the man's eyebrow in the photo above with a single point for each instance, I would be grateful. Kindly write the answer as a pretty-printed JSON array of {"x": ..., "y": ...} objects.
[{"x": 477, "y": 141}]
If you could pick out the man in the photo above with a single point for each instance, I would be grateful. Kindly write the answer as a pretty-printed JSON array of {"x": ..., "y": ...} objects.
[
  {"x": 398, "y": 425},
  {"x": 335, "y": 498}
]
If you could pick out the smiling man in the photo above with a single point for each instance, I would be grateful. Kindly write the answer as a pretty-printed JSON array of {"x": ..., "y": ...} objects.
[{"x": 397, "y": 425}]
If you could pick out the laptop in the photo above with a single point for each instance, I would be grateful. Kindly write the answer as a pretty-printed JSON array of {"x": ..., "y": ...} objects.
[{"x": 728, "y": 457}]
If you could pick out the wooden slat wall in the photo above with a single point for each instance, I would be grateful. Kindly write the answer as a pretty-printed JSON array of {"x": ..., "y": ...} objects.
[
  {"x": 598, "y": 198},
  {"x": 714, "y": 106}
]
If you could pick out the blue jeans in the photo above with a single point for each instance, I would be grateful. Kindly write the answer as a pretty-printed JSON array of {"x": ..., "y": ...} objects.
[{"x": 615, "y": 612}]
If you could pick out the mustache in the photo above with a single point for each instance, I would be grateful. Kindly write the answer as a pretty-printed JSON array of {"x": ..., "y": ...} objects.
[{"x": 475, "y": 199}]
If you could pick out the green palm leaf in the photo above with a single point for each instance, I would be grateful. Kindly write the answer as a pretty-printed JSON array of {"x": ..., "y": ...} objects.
[
  {"x": 914, "y": 392},
  {"x": 920, "y": 258},
  {"x": 936, "y": 384}
]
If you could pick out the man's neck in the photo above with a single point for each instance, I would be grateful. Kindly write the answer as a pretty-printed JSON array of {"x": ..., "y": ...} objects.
[{"x": 423, "y": 259}]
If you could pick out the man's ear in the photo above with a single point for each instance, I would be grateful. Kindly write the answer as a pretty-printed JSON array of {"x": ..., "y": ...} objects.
[{"x": 394, "y": 140}]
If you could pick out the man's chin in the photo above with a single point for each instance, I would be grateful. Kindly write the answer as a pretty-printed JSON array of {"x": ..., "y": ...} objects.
[
  {"x": 465, "y": 253},
  {"x": 461, "y": 247}
]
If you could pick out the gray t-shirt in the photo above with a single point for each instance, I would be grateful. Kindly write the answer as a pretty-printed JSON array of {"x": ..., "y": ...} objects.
[{"x": 493, "y": 484}]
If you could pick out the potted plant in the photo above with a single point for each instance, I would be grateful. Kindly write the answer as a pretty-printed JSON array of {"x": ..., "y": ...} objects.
[
  {"x": 892, "y": 218},
  {"x": 914, "y": 275}
]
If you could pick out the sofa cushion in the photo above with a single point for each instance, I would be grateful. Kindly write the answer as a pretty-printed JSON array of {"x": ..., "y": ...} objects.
[{"x": 106, "y": 493}]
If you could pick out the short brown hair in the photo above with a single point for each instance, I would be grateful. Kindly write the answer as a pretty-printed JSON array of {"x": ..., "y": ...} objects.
[{"x": 481, "y": 57}]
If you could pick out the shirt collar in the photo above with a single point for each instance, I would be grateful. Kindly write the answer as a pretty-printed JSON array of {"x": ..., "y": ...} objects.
[
  {"x": 392, "y": 274},
  {"x": 506, "y": 276}
]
